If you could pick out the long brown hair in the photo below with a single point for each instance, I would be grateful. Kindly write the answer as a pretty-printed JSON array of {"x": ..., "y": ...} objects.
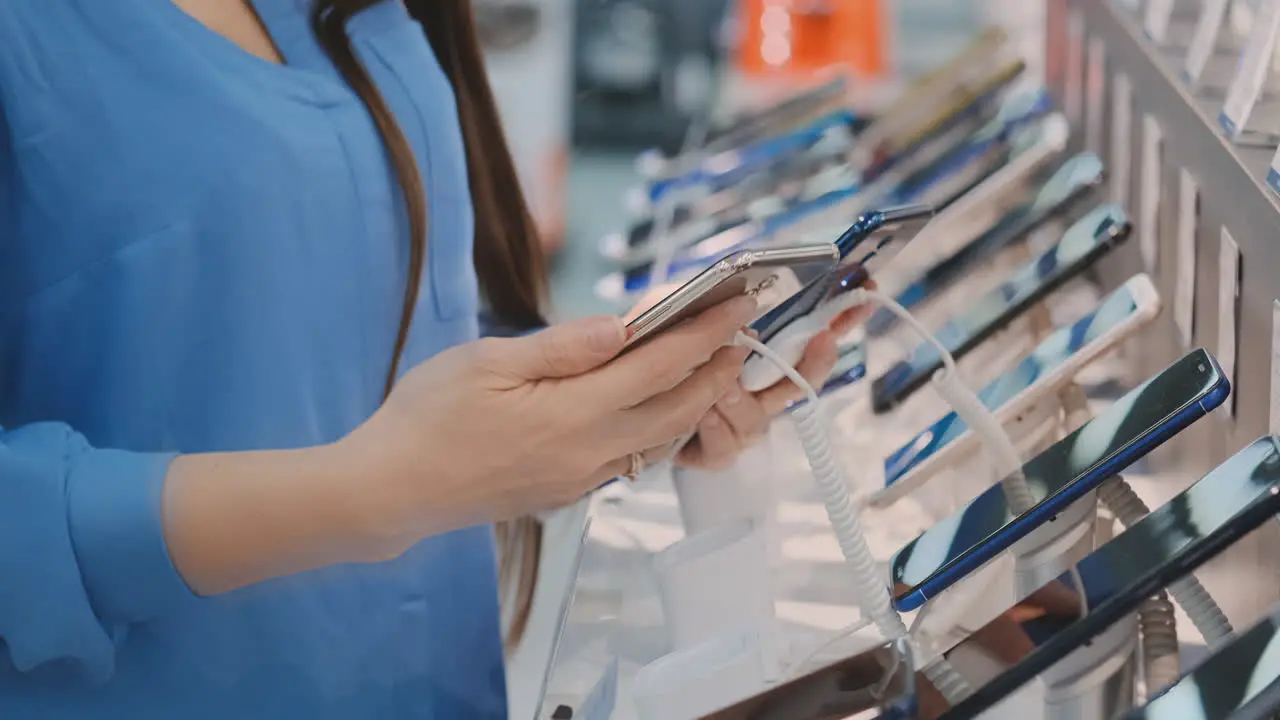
[{"x": 508, "y": 255}]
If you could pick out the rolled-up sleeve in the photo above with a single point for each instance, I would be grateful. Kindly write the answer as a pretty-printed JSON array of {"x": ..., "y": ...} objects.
[{"x": 82, "y": 550}]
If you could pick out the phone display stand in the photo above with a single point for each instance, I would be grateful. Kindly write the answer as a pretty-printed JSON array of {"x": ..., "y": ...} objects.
[
  {"x": 709, "y": 499},
  {"x": 1099, "y": 680},
  {"x": 713, "y": 584}
]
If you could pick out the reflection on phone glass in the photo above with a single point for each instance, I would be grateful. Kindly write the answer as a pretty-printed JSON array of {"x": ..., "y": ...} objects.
[
  {"x": 1087, "y": 241},
  {"x": 1059, "y": 195},
  {"x": 986, "y": 526},
  {"x": 1170, "y": 543},
  {"x": 1240, "y": 681},
  {"x": 1049, "y": 355}
]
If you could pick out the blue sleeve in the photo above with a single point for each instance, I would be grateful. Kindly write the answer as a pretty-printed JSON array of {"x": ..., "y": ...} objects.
[{"x": 82, "y": 551}]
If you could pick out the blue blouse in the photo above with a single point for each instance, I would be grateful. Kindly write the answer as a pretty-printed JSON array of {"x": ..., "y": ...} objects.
[{"x": 202, "y": 251}]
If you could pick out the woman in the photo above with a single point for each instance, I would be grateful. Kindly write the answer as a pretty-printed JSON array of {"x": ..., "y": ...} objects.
[{"x": 252, "y": 453}]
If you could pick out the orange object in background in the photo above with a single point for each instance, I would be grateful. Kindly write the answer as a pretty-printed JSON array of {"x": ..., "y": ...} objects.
[{"x": 799, "y": 37}]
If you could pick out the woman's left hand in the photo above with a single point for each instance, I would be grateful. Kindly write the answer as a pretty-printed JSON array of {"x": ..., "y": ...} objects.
[{"x": 742, "y": 419}]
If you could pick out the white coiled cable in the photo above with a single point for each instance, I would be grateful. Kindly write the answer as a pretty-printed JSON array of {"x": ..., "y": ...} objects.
[
  {"x": 1160, "y": 653},
  {"x": 1204, "y": 612},
  {"x": 874, "y": 597}
]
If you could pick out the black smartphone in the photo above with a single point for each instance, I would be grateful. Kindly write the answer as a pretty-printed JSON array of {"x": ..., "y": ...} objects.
[
  {"x": 1063, "y": 193},
  {"x": 1133, "y": 426},
  {"x": 1083, "y": 244},
  {"x": 880, "y": 680},
  {"x": 1171, "y": 543},
  {"x": 1239, "y": 681}
]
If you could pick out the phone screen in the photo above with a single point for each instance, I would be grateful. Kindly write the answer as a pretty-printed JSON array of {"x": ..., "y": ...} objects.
[
  {"x": 1102, "y": 447},
  {"x": 879, "y": 682},
  {"x": 1070, "y": 183},
  {"x": 1115, "y": 310},
  {"x": 1240, "y": 681},
  {"x": 1170, "y": 543},
  {"x": 1082, "y": 245}
]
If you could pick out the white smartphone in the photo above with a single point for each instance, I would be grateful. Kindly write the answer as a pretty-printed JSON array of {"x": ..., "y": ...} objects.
[
  {"x": 772, "y": 276},
  {"x": 1049, "y": 367}
]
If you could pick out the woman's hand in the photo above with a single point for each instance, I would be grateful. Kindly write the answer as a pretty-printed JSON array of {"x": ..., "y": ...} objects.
[
  {"x": 741, "y": 418},
  {"x": 499, "y": 428}
]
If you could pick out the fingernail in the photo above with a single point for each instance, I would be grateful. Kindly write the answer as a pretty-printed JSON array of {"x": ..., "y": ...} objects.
[
  {"x": 606, "y": 334},
  {"x": 734, "y": 396}
]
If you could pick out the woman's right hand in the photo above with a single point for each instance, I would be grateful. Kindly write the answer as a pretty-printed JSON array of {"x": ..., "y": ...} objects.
[{"x": 498, "y": 428}]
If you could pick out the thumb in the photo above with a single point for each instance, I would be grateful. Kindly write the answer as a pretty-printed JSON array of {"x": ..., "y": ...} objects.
[{"x": 569, "y": 349}]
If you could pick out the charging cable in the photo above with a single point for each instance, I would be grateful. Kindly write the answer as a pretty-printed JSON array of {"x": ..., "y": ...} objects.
[{"x": 872, "y": 589}]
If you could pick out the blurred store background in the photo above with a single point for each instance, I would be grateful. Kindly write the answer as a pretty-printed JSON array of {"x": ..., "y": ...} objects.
[{"x": 586, "y": 84}]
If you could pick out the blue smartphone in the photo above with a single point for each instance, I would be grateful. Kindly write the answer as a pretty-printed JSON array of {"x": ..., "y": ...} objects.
[
  {"x": 1053, "y": 362},
  {"x": 1172, "y": 542},
  {"x": 1239, "y": 681},
  {"x": 831, "y": 134},
  {"x": 873, "y": 240},
  {"x": 1133, "y": 426},
  {"x": 1095, "y": 235},
  {"x": 1061, "y": 194},
  {"x": 881, "y": 680}
]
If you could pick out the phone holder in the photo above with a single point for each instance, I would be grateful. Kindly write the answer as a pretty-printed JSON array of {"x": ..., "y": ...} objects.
[
  {"x": 709, "y": 499},
  {"x": 715, "y": 584},
  {"x": 1099, "y": 680},
  {"x": 693, "y": 682}
]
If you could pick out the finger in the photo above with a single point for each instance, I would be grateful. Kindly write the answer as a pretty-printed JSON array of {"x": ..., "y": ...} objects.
[
  {"x": 670, "y": 415},
  {"x": 846, "y": 321},
  {"x": 715, "y": 447},
  {"x": 559, "y": 351},
  {"x": 649, "y": 299},
  {"x": 662, "y": 363},
  {"x": 744, "y": 414},
  {"x": 819, "y": 358}
]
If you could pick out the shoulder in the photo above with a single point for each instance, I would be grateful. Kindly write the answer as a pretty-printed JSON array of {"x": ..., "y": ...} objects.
[{"x": 32, "y": 34}]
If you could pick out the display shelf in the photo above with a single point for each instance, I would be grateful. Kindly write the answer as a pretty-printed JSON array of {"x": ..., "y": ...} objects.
[{"x": 1232, "y": 196}]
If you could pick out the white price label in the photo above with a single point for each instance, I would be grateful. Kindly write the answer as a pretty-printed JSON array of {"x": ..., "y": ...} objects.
[
  {"x": 1149, "y": 192},
  {"x": 1121, "y": 143},
  {"x": 1156, "y": 20},
  {"x": 1252, "y": 70},
  {"x": 1205, "y": 39},
  {"x": 1275, "y": 367},
  {"x": 1074, "y": 91},
  {"x": 1095, "y": 93},
  {"x": 1228, "y": 305},
  {"x": 1184, "y": 295}
]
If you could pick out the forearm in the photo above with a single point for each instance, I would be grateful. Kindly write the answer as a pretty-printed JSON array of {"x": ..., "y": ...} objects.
[{"x": 234, "y": 519}]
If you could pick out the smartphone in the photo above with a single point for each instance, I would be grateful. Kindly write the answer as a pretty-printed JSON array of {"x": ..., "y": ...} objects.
[
  {"x": 885, "y": 142},
  {"x": 1133, "y": 426},
  {"x": 798, "y": 109},
  {"x": 1062, "y": 194},
  {"x": 879, "y": 682},
  {"x": 1239, "y": 681},
  {"x": 755, "y": 124},
  {"x": 829, "y": 136},
  {"x": 1095, "y": 235},
  {"x": 1169, "y": 544},
  {"x": 1050, "y": 366},
  {"x": 991, "y": 142},
  {"x": 771, "y": 276}
]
